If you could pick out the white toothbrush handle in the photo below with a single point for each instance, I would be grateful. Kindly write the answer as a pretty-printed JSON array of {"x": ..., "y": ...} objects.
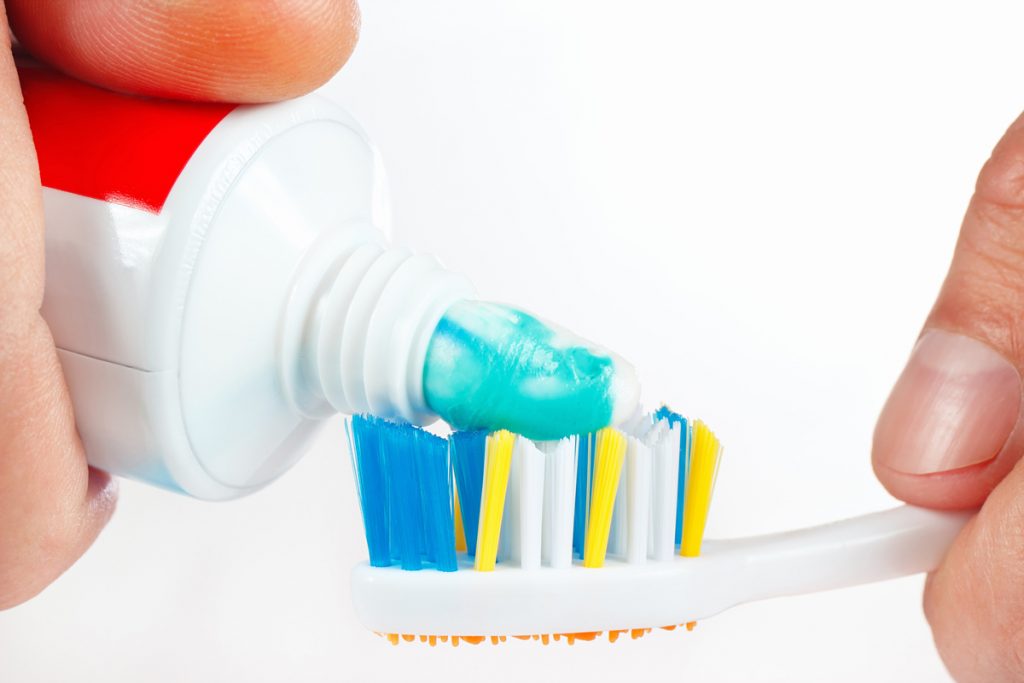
[{"x": 873, "y": 547}]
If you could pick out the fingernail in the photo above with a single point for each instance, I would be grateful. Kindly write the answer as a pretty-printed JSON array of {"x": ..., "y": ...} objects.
[{"x": 954, "y": 405}]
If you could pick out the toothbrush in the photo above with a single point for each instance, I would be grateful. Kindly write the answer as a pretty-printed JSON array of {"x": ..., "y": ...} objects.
[{"x": 601, "y": 534}]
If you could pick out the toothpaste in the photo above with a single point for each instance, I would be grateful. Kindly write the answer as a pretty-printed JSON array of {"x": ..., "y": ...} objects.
[{"x": 491, "y": 366}]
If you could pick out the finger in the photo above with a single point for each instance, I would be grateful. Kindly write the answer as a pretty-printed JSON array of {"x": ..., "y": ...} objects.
[
  {"x": 975, "y": 601},
  {"x": 52, "y": 505},
  {"x": 951, "y": 429},
  {"x": 234, "y": 51}
]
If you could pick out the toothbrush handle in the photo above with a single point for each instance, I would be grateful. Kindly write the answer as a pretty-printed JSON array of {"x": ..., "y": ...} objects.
[{"x": 873, "y": 547}]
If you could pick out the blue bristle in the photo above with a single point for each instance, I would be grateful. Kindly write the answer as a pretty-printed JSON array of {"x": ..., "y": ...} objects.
[
  {"x": 404, "y": 505},
  {"x": 405, "y": 491},
  {"x": 584, "y": 473},
  {"x": 674, "y": 418},
  {"x": 434, "y": 469},
  {"x": 666, "y": 413},
  {"x": 368, "y": 459},
  {"x": 467, "y": 450}
]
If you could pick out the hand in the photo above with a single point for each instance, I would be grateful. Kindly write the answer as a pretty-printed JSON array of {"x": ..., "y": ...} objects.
[
  {"x": 52, "y": 505},
  {"x": 951, "y": 436}
]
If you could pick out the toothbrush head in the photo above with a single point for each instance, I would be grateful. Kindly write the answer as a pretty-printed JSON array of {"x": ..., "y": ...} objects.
[{"x": 571, "y": 539}]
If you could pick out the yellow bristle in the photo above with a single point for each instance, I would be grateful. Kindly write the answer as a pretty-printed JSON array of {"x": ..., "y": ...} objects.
[
  {"x": 497, "y": 461},
  {"x": 700, "y": 482},
  {"x": 460, "y": 529},
  {"x": 608, "y": 456}
]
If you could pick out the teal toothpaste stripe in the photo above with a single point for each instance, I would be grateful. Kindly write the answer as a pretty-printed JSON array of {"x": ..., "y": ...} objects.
[{"x": 494, "y": 367}]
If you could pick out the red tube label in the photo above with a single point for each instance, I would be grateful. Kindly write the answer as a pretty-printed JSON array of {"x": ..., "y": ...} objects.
[{"x": 109, "y": 146}]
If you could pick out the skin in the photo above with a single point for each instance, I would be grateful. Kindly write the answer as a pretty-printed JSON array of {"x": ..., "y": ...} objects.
[
  {"x": 52, "y": 505},
  {"x": 975, "y": 600}
]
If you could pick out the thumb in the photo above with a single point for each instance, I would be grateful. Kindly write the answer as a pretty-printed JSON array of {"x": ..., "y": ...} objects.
[{"x": 950, "y": 430}]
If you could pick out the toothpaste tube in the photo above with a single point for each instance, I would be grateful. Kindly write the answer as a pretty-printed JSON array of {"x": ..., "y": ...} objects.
[{"x": 218, "y": 284}]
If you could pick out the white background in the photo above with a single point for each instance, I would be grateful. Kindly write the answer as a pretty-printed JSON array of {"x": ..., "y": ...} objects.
[{"x": 755, "y": 202}]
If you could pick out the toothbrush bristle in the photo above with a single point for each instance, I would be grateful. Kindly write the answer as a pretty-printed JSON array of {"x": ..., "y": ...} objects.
[
  {"x": 584, "y": 476},
  {"x": 703, "y": 466},
  {"x": 467, "y": 452},
  {"x": 460, "y": 527},
  {"x": 608, "y": 457},
  {"x": 367, "y": 458},
  {"x": 436, "y": 494},
  {"x": 685, "y": 443},
  {"x": 497, "y": 463}
]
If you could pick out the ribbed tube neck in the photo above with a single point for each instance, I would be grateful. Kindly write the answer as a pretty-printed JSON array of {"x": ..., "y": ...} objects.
[{"x": 355, "y": 338}]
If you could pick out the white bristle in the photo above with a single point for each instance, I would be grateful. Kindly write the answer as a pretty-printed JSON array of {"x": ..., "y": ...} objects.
[
  {"x": 508, "y": 538},
  {"x": 617, "y": 531},
  {"x": 689, "y": 449},
  {"x": 531, "y": 502},
  {"x": 665, "y": 493},
  {"x": 638, "y": 500},
  {"x": 651, "y": 440},
  {"x": 559, "y": 501}
]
